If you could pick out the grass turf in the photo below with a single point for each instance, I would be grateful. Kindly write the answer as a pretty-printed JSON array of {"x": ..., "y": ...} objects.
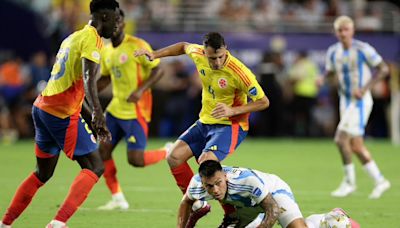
[{"x": 311, "y": 167}]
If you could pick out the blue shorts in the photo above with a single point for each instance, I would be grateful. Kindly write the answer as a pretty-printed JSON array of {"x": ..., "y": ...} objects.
[
  {"x": 53, "y": 134},
  {"x": 134, "y": 131},
  {"x": 218, "y": 138}
]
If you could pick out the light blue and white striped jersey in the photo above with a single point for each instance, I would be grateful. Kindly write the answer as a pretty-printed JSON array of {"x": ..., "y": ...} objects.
[
  {"x": 246, "y": 187},
  {"x": 352, "y": 66}
]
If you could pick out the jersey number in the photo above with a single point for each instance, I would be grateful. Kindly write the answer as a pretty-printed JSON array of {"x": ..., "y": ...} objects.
[
  {"x": 211, "y": 90},
  {"x": 116, "y": 71},
  {"x": 59, "y": 66}
]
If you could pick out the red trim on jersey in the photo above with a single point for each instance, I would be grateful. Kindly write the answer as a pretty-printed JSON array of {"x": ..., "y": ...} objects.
[
  {"x": 234, "y": 137},
  {"x": 65, "y": 103},
  {"x": 71, "y": 136},
  {"x": 40, "y": 154},
  {"x": 239, "y": 72},
  {"x": 140, "y": 117},
  {"x": 242, "y": 119}
]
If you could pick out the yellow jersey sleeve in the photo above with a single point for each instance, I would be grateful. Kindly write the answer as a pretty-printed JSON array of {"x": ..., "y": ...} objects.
[
  {"x": 91, "y": 46},
  {"x": 247, "y": 81},
  {"x": 194, "y": 50},
  {"x": 142, "y": 44}
]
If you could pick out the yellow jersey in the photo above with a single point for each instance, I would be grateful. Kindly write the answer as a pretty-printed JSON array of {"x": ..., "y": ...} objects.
[
  {"x": 64, "y": 93},
  {"x": 127, "y": 73},
  {"x": 231, "y": 85}
]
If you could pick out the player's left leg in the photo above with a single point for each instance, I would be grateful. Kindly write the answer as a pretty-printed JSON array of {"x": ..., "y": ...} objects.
[
  {"x": 80, "y": 145},
  {"x": 223, "y": 140},
  {"x": 381, "y": 184},
  {"x": 136, "y": 131}
]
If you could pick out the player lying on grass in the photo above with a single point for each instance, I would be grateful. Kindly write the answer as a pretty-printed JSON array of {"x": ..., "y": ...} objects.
[{"x": 260, "y": 200}]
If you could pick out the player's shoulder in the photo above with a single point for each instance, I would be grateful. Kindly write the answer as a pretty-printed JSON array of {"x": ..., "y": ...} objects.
[
  {"x": 361, "y": 45},
  {"x": 141, "y": 43},
  {"x": 195, "y": 186},
  {"x": 334, "y": 47},
  {"x": 241, "y": 175},
  {"x": 195, "y": 49}
]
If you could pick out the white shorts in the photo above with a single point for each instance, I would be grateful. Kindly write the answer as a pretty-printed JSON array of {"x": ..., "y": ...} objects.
[
  {"x": 354, "y": 116},
  {"x": 283, "y": 196}
]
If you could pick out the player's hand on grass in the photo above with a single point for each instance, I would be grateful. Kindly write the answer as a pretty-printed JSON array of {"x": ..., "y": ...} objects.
[
  {"x": 222, "y": 110},
  {"x": 99, "y": 125},
  {"x": 135, "y": 96},
  {"x": 145, "y": 52}
]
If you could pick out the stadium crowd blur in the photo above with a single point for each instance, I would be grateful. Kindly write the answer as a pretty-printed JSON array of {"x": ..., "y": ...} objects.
[{"x": 299, "y": 106}]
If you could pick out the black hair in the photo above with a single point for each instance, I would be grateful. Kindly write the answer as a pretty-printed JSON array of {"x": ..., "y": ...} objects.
[
  {"x": 209, "y": 168},
  {"x": 214, "y": 40},
  {"x": 97, "y": 5}
]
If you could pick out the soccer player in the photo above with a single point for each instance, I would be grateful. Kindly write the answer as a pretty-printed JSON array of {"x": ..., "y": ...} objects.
[
  {"x": 350, "y": 60},
  {"x": 56, "y": 115},
  {"x": 259, "y": 198},
  {"x": 223, "y": 124},
  {"x": 129, "y": 112}
]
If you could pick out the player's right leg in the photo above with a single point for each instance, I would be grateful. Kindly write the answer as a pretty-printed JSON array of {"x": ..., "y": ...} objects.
[
  {"x": 348, "y": 184},
  {"x": 79, "y": 144},
  {"x": 369, "y": 165},
  {"x": 47, "y": 153},
  {"x": 189, "y": 144},
  {"x": 118, "y": 200}
]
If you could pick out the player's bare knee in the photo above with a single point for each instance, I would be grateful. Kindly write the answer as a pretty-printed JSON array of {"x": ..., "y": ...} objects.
[{"x": 173, "y": 160}]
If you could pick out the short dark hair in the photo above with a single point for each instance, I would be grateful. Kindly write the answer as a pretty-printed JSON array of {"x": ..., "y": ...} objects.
[
  {"x": 121, "y": 13},
  {"x": 214, "y": 40},
  {"x": 209, "y": 168},
  {"x": 97, "y": 5}
]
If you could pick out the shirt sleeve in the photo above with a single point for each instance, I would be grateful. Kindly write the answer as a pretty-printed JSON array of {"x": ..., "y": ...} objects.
[
  {"x": 372, "y": 57},
  {"x": 194, "y": 51},
  {"x": 259, "y": 190},
  {"x": 91, "y": 46},
  {"x": 248, "y": 82},
  {"x": 196, "y": 191},
  {"x": 143, "y": 59}
]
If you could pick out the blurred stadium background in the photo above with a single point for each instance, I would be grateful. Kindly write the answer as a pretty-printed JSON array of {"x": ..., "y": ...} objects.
[{"x": 270, "y": 36}]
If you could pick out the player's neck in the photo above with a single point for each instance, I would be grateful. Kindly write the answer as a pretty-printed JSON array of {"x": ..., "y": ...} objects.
[
  {"x": 118, "y": 40},
  {"x": 347, "y": 44}
]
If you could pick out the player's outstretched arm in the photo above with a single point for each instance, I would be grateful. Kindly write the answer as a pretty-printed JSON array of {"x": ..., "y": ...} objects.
[
  {"x": 172, "y": 50},
  {"x": 90, "y": 71},
  {"x": 184, "y": 211},
  {"x": 155, "y": 75},
  {"x": 271, "y": 211}
]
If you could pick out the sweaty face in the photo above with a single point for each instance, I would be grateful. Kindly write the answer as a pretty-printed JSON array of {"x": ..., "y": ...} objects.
[
  {"x": 216, "y": 58},
  {"x": 345, "y": 33},
  {"x": 216, "y": 185},
  {"x": 109, "y": 19}
]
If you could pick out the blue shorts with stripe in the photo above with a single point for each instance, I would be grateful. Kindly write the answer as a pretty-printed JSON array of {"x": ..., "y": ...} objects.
[
  {"x": 53, "y": 134},
  {"x": 133, "y": 130},
  {"x": 218, "y": 138}
]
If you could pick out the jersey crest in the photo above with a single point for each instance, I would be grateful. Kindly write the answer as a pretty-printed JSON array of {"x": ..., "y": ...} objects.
[
  {"x": 222, "y": 83},
  {"x": 123, "y": 58}
]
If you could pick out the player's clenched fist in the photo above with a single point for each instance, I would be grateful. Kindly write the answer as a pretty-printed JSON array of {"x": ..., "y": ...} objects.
[{"x": 222, "y": 110}]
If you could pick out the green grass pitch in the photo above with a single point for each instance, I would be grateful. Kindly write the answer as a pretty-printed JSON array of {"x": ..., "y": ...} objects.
[{"x": 311, "y": 167}]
